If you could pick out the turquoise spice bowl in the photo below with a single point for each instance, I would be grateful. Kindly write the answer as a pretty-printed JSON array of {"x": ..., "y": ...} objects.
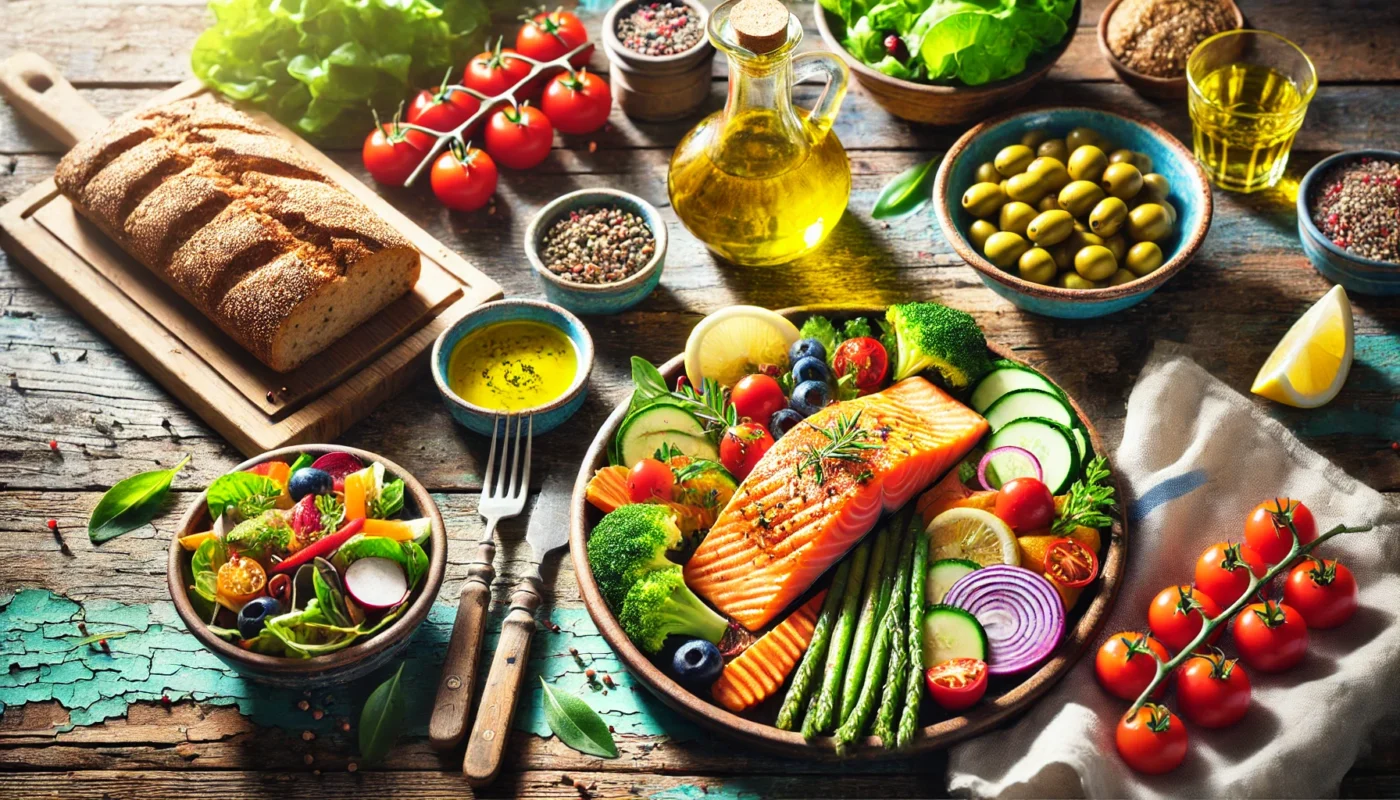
[
  {"x": 600, "y": 298},
  {"x": 1357, "y": 273},
  {"x": 1190, "y": 196},
  {"x": 546, "y": 417}
]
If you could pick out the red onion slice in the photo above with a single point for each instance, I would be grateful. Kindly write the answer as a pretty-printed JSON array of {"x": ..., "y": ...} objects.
[
  {"x": 1020, "y": 451},
  {"x": 1022, "y": 614}
]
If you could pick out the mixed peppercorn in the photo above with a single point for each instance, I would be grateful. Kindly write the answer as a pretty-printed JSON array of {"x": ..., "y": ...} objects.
[
  {"x": 1358, "y": 208},
  {"x": 659, "y": 29},
  {"x": 598, "y": 244}
]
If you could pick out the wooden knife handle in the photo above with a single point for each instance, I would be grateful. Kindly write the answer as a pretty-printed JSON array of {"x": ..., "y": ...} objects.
[
  {"x": 491, "y": 731},
  {"x": 40, "y": 94},
  {"x": 453, "y": 706}
]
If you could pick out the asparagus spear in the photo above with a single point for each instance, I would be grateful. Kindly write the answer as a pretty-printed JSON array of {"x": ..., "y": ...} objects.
[
  {"x": 796, "y": 699},
  {"x": 914, "y": 686},
  {"x": 820, "y": 716},
  {"x": 865, "y": 628},
  {"x": 897, "y": 618}
]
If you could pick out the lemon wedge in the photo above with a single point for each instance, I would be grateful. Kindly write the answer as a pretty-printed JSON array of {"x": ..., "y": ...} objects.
[
  {"x": 1311, "y": 363},
  {"x": 973, "y": 534},
  {"x": 734, "y": 342}
]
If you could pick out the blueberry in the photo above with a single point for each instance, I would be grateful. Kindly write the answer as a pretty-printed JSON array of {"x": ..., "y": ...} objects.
[
  {"x": 810, "y": 397},
  {"x": 697, "y": 663},
  {"x": 256, "y": 612},
  {"x": 309, "y": 480},
  {"x": 810, "y": 369},
  {"x": 804, "y": 348},
  {"x": 783, "y": 420}
]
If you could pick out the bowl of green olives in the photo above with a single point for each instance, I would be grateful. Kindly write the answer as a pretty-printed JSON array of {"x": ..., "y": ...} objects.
[{"x": 1072, "y": 212}]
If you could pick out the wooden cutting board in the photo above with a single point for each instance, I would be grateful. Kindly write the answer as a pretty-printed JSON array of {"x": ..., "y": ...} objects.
[{"x": 252, "y": 406}]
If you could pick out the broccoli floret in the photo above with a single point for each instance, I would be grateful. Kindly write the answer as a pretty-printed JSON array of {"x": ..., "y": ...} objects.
[
  {"x": 821, "y": 329},
  {"x": 660, "y": 604},
  {"x": 933, "y": 336},
  {"x": 628, "y": 543}
]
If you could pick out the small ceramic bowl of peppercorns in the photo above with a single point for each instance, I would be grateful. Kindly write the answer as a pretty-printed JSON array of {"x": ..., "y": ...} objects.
[
  {"x": 1349, "y": 220},
  {"x": 598, "y": 251}
]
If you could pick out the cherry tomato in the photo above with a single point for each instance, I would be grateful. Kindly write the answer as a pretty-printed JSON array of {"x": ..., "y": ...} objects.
[
  {"x": 240, "y": 580},
  {"x": 742, "y": 446},
  {"x": 495, "y": 71},
  {"x": 1323, "y": 591},
  {"x": 1175, "y": 616},
  {"x": 1222, "y": 571},
  {"x": 1070, "y": 564},
  {"x": 519, "y": 137},
  {"x": 958, "y": 683},
  {"x": 864, "y": 356},
  {"x": 1153, "y": 740},
  {"x": 577, "y": 102},
  {"x": 1125, "y": 664},
  {"x": 1213, "y": 690},
  {"x": 758, "y": 397},
  {"x": 650, "y": 478},
  {"x": 1271, "y": 637},
  {"x": 464, "y": 178},
  {"x": 1267, "y": 531},
  {"x": 550, "y": 34},
  {"x": 392, "y": 152},
  {"x": 1025, "y": 504},
  {"x": 442, "y": 109}
]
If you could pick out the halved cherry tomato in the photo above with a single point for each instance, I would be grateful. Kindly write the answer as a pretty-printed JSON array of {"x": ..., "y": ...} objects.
[
  {"x": 519, "y": 137},
  {"x": 1175, "y": 616},
  {"x": 1125, "y": 664},
  {"x": 1152, "y": 741},
  {"x": 649, "y": 479},
  {"x": 1267, "y": 531},
  {"x": 1070, "y": 564},
  {"x": 550, "y": 34},
  {"x": 1271, "y": 637},
  {"x": 1322, "y": 590},
  {"x": 1025, "y": 504},
  {"x": 758, "y": 397},
  {"x": 577, "y": 102},
  {"x": 495, "y": 71},
  {"x": 443, "y": 109},
  {"x": 958, "y": 683},
  {"x": 464, "y": 178},
  {"x": 240, "y": 580},
  {"x": 1213, "y": 690},
  {"x": 865, "y": 357},
  {"x": 742, "y": 446},
  {"x": 1222, "y": 571}
]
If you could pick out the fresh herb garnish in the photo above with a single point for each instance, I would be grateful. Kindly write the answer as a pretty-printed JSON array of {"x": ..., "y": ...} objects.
[
  {"x": 710, "y": 405},
  {"x": 389, "y": 502},
  {"x": 576, "y": 724},
  {"x": 382, "y": 719},
  {"x": 246, "y": 493},
  {"x": 845, "y": 442},
  {"x": 666, "y": 452},
  {"x": 261, "y": 535},
  {"x": 332, "y": 512},
  {"x": 131, "y": 503},
  {"x": 1087, "y": 500}
]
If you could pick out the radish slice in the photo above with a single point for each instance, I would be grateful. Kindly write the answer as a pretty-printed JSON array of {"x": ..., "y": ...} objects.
[
  {"x": 376, "y": 583},
  {"x": 1009, "y": 449},
  {"x": 1020, "y": 611}
]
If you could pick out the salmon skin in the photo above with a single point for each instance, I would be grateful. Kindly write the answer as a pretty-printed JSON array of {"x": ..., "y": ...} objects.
[{"x": 788, "y": 522}]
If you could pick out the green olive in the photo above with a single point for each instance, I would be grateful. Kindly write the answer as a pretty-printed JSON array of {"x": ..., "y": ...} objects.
[
  {"x": 1050, "y": 227},
  {"x": 1013, "y": 159},
  {"x": 1123, "y": 181},
  {"x": 1073, "y": 280},
  {"x": 1095, "y": 262},
  {"x": 1171, "y": 210},
  {"x": 1124, "y": 156},
  {"x": 1078, "y": 197},
  {"x": 1048, "y": 203},
  {"x": 1121, "y": 277},
  {"x": 1143, "y": 258},
  {"x": 1117, "y": 244},
  {"x": 1037, "y": 265},
  {"x": 987, "y": 173},
  {"x": 1082, "y": 239},
  {"x": 983, "y": 199},
  {"x": 1004, "y": 248},
  {"x": 1155, "y": 188},
  {"x": 1148, "y": 223},
  {"x": 1051, "y": 171},
  {"x": 1034, "y": 137},
  {"x": 1142, "y": 161},
  {"x": 1026, "y": 187},
  {"x": 1087, "y": 163},
  {"x": 1054, "y": 148},
  {"x": 1015, "y": 216},
  {"x": 1108, "y": 216},
  {"x": 980, "y": 231},
  {"x": 1079, "y": 137},
  {"x": 1063, "y": 254}
]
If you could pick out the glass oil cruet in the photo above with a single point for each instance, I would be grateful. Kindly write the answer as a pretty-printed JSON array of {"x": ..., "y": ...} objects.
[{"x": 762, "y": 182}]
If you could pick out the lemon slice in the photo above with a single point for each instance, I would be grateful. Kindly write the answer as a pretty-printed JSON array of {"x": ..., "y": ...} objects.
[
  {"x": 973, "y": 534},
  {"x": 733, "y": 342},
  {"x": 1311, "y": 363}
]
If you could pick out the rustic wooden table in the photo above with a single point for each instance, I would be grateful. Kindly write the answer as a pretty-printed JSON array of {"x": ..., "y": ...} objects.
[{"x": 159, "y": 717}]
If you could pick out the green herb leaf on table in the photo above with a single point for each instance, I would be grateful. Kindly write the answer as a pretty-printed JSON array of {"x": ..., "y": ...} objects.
[
  {"x": 382, "y": 719},
  {"x": 907, "y": 192},
  {"x": 131, "y": 503},
  {"x": 577, "y": 724},
  {"x": 1088, "y": 500},
  {"x": 249, "y": 494}
]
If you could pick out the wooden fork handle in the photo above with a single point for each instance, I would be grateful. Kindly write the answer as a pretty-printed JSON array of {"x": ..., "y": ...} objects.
[
  {"x": 487, "y": 744},
  {"x": 453, "y": 705}
]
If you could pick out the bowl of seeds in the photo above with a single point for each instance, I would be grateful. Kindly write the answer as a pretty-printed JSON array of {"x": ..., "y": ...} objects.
[
  {"x": 661, "y": 61},
  {"x": 598, "y": 251},
  {"x": 1349, "y": 220},
  {"x": 1147, "y": 42}
]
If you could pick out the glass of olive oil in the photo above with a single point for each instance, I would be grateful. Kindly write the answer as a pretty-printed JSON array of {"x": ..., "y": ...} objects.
[{"x": 1249, "y": 92}]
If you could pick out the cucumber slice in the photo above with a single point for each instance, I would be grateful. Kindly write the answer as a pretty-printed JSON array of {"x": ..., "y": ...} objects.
[
  {"x": 950, "y": 632},
  {"x": 1007, "y": 377},
  {"x": 1081, "y": 441},
  {"x": 645, "y": 430},
  {"x": 943, "y": 573},
  {"x": 1023, "y": 403},
  {"x": 1051, "y": 443}
]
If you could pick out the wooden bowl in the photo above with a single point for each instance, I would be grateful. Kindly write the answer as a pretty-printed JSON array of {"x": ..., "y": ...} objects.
[
  {"x": 1142, "y": 83},
  {"x": 947, "y": 102},
  {"x": 1083, "y": 626},
  {"x": 659, "y": 88},
  {"x": 342, "y": 666}
]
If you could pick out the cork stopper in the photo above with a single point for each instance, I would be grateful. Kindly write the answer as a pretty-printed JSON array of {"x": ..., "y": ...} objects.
[{"x": 761, "y": 24}]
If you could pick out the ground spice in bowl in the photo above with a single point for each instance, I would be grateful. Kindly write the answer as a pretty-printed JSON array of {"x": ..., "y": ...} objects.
[
  {"x": 659, "y": 29},
  {"x": 1357, "y": 206},
  {"x": 1154, "y": 37},
  {"x": 598, "y": 244}
]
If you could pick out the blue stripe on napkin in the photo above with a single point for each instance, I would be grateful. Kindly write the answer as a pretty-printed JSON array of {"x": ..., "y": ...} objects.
[{"x": 1167, "y": 491}]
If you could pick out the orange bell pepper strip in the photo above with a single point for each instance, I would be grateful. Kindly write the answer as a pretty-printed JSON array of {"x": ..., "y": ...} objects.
[
  {"x": 397, "y": 530},
  {"x": 354, "y": 497}
]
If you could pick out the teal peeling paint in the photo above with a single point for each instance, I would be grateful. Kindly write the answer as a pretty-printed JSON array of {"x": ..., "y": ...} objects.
[
  {"x": 1375, "y": 371},
  {"x": 732, "y": 790}
]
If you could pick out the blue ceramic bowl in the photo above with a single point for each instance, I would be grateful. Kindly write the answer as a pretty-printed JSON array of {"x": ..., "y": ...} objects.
[
  {"x": 605, "y": 298},
  {"x": 1190, "y": 197},
  {"x": 546, "y": 417},
  {"x": 1356, "y": 273}
]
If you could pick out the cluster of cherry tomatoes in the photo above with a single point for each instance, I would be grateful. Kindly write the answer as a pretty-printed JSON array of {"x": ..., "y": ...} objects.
[
  {"x": 516, "y": 135},
  {"x": 1213, "y": 691}
]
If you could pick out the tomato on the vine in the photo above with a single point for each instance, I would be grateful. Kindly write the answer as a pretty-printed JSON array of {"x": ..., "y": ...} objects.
[
  {"x": 1175, "y": 616},
  {"x": 866, "y": 358},
  {"x": 1323, "y": 591},
  {"x": 1271, "y": 637},
  {"x": 443, "y": 108},
  {"x": 958, "y": 683},
  {"x": 1266, "y": 529},
  {"x": 1125, "y": 664},
  {"x": 550, "y": 34},
  {"x": 1222, "y": 571},
  {"x": 464, "y": 178},
  {"x": 519, "y": 137},
  {"x": 1070, "y": 564},
  {"x": 1025, "y": 504},
  {"x": 577, "y": 102},
  {"x": 1213, "y": 690},
  {"x": 742, "y": 446},
  {"x": 495, "y": 71},
  {"x": 758, "y": 397},
  {"x": 391, "y": 152},
  {"x": 650, "y": 478},
  {"x": 1152, "y": 740}
]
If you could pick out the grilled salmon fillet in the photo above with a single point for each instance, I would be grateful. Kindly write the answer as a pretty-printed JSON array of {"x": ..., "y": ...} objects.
[{"x": 798, "y": 512}]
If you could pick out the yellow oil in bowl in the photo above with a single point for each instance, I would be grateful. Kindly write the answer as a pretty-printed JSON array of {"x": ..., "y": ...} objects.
[{"x": 512, "y": 366}]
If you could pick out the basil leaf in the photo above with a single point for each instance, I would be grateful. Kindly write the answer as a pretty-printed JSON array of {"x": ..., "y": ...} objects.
[
  {"x": 304, "y": 460},
  {"x": 250, "y": 494},
  {"x": 204, "y": 565},
  {"x": 389, "y": 502},
  {"x": 131, "y": 503},
  {"x": 576, "y": 724},
  {"x": 382, "y": 719},
  {"x": 908, "y": 192}
]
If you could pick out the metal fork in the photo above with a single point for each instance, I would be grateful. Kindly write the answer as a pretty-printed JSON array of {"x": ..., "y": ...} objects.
[{"x": 503, "y": 494}]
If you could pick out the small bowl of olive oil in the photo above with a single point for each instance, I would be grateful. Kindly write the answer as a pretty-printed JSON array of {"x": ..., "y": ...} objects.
[{"x": 513, "y": 358}]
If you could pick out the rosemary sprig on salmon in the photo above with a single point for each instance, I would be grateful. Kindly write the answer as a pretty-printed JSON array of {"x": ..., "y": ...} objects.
[{"x": 845, "y": 441}]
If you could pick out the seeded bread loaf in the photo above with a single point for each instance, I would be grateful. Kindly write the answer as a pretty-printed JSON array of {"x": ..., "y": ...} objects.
[{"x": 231, "y": 217}]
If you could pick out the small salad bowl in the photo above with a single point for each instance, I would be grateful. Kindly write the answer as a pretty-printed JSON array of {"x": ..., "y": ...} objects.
[
  {"x": 597, "y": 298},
  {"x": 341, "y": 666},
  {"x": 1190, "y": 196},
  {"x": 1358, "y": 274},
  {"x": 546, "y": 417}
]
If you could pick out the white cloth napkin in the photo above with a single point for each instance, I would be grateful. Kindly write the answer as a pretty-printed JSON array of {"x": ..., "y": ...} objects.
[{"x": 1196, "y": 457}]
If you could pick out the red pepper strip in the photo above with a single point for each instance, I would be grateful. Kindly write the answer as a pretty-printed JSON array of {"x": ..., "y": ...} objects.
[{"x": 320, "y": 547}]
